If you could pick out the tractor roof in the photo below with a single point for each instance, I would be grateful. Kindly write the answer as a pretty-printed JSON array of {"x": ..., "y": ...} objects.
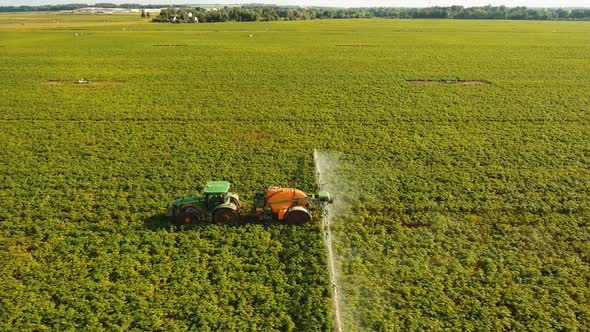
[{"x": 217, "y": 187}]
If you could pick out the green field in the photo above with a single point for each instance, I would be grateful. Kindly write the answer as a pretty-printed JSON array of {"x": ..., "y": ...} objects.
[{"x": 468, "y": 204}]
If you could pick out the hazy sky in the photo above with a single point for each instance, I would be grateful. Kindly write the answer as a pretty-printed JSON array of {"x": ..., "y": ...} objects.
[{"x": 334, "y": 3}]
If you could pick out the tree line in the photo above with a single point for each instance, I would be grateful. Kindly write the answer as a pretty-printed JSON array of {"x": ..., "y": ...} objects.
[
  {"x": 185, "y": 13},
  {"x": 276, "y": 13}
]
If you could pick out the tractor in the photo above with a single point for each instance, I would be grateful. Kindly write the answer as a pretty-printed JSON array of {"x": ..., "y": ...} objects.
[{"x": 218, "y": 205}]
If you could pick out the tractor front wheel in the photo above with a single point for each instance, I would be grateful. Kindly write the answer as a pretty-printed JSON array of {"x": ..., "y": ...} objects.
[{"x": 226, "y": 216}]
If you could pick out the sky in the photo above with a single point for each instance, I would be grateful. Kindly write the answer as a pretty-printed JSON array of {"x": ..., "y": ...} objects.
[{"x": 331, "y": 3}]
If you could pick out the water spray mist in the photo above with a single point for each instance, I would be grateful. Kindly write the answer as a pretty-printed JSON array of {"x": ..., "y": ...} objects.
[{"x": 325, "y": 164}]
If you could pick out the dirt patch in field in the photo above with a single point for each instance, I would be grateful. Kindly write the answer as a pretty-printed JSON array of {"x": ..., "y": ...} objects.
[
  {"x": 89, "y": 83},
  {"x": 170, "y": 45},
  {"x": 436, "y": 82}
]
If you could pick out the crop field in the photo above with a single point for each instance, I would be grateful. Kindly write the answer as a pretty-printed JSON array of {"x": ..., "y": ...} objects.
[{"x": 463, "y": 173}]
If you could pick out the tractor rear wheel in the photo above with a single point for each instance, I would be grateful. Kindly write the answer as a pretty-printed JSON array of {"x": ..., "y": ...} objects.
[
  {"x": 190, "y": 216},
  {"x": 226, "y": 216},
  {"x": 298, "y": 216}
]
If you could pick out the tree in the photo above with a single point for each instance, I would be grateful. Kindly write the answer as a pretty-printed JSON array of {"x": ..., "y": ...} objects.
[{"x": 580, "y": 14}]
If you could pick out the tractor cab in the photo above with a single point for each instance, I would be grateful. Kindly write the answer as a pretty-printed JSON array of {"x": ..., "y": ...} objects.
[{"x": 216, "y": 193}]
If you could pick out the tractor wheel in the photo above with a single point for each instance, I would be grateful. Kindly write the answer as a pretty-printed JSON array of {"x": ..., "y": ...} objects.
[
  {"x": 226, "y": 216},
  {"x": 190, "y": 216},
  {"x": 298, "y": 216}
]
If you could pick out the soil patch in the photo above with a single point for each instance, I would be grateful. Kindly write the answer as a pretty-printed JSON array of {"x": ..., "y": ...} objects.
[
  {"x": 89, "y": 83},
  {"x": 460, "y": 82}
]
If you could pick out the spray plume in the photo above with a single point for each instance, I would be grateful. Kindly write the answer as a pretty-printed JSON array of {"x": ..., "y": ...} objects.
[{"x": 327, "y": 178}]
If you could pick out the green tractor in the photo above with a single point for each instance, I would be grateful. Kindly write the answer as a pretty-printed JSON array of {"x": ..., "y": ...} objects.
[{"x": 216, "y": 205}]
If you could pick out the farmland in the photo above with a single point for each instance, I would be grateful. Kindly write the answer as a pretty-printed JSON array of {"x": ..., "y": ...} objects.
[{"x": 469, "y": 204}]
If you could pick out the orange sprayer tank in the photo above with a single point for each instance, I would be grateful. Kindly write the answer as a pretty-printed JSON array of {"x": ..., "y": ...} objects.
[{"x": 280, "y": 200}]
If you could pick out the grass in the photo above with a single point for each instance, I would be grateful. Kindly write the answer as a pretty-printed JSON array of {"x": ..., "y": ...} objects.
[{"x": 469, "y": 202}]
